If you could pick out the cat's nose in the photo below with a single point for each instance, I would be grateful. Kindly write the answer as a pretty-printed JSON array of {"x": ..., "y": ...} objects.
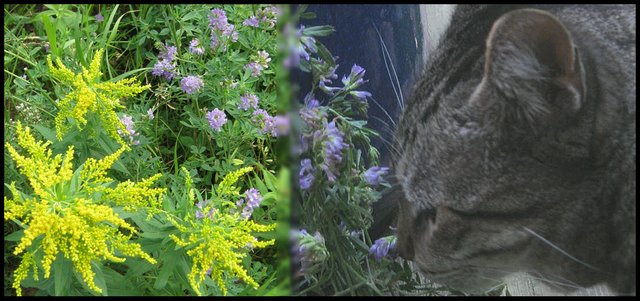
[{"x": 405, "y": 248}]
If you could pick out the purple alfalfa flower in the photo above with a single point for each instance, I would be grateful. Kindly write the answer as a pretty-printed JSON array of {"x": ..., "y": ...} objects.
[
  {"x": 248, "y": 100},
  {"x": 191, "y": 84},
  {"x": 374, "y": 175},
  {"x": 306, "y": 174},
  {"x": 193, "y": 47},
  {"x": 99, "y": 17},
  {"x": 256, "y": 69},
  {"x": 150, "y": 114},
  {"x": 214, "y": 40},
  {"x": 311, "y": 113},
  {"x": 361, "y": 95},
  {"x": 199, "y": 214},
  {"x": 327, "y": 89},
  {"x": 127, "y": 121},
  {"x": 330, "y": 75},
  {"x": 230, "y": 32},
  {"x": 168, "y": 53},
  {"x": 384, "y": 246},
  {"x": 253, "y": 198},
  {"x": 211, "y": 212},
  {"x": 218, "y": 20},
  {"x": 263, "y": 120},
  {"x": 252, "y": 21},
  {"x": 200, "y": 204},
  {"x": 355, "y": 78},
  {"x": 165, "y": 69},
  {"x": 280, "y": 125},
  {"x": 217, "y": 118},
  {"x": 332, "y": 140}
]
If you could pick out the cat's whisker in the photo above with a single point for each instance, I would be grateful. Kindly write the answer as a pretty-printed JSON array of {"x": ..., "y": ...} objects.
[
  {"x": 386, "y": 55},
  {"x": 538, "y": 236},
  {"x": 384, "y": 111}
]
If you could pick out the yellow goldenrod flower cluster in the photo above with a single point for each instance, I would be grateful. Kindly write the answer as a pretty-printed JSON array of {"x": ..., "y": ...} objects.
[
  {"x": 227, "y": 186},
  {"x": 90, "y": 95},
  {"x": 72, "y": 211},
  {"x": 218, "y": 242}
]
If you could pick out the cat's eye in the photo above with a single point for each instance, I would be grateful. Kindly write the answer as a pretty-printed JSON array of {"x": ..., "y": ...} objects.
[{"x": 421, "y": 222}]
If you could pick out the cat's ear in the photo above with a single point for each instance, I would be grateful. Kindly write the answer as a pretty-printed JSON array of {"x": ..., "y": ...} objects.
[{"x": 531, "y": 62}]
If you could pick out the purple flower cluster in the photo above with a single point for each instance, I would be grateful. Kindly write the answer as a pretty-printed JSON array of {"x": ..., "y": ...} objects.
[
  {"x": 191, "y": 84},
  {"x": 252, "y": 21},
  {"x": 332, "y": 140},
  {"x": 311, "y": 114},
  {"x": 253, "y": 201},
  {"x": 354, "y": 80},
  {"x": 306, "y": 249},
  {"x": 275, "y": 125},
  {"x": 193, "y": 47},
  {"x": 166, "y": 66},
  {"x": 200, "y": 214},
  {"x": 374, "y": 175},
  {"x": 301, "y": 46},
  {"x": 220, "y": 27},
  {"x": 217, "y": 119},
  {"x": 256, "y": 68},
  {"x": 306, "y": 174},
  {"x": 150, "y": 114},
  {"x": 267, "y": 15},
  {"x": 127, "y": 121},
  {"x": 99, "y": 17},
  {"x": 260, "y": 62},
  {"x": 384, "y": 246},
  {"x": 248, "y": 100}
]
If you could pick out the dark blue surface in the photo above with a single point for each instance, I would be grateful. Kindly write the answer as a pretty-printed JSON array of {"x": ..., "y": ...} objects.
[{"x": 356, "y": 41}]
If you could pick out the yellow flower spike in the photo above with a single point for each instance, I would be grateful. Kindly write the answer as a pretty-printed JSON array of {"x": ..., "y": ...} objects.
[
  {"x": 84, "y": 230},
  {"x": 226, "y": 187},
  {"x": 88, "y": 94}
]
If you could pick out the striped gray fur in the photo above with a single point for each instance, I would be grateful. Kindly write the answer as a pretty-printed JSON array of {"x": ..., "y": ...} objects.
[{"x": 516, "y": 150}]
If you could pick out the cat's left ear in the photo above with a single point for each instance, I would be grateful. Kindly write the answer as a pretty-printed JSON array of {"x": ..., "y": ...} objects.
[{"x": 533, "y": 64}]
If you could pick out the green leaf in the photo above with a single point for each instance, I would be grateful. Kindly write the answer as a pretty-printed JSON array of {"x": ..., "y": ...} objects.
[
  {"x": 61, "y": 272},
  {"x": 167, "y": 269},
  {"x": 51, "y": 34},
  {"x": 98, "y": 278},
  {"x": 15, "y": 236},
  {"x": 46, "y": 132},
  {"x": 319, "y": 31}
]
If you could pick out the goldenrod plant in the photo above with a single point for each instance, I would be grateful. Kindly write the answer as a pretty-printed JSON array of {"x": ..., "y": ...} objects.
[
  {"x": 89, "y": 95},
  {"x": 217, "y": 236},
  {"x": 70, "y": 212}
]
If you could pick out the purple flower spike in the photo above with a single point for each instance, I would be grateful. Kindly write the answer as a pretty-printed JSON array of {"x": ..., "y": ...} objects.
[
  {"x": 333, "y": 144},
  {"x": 191, "y": 84},
  {"x": 217, "y": 119},
  {"x": 374, "y": 175},
  {"x": 280, "y": 126},
  {"x": 384, "y": 246},
  {"x": 362, "y": 95},
  {"x": 252, "y": 21},
  {"x": 248, "y": 100},
  {"x": 99, "y": 17},
  {"x": 306, "y": 174},
  {"x": 256, "y": 69},
  {"x": 193, "y": 47}
]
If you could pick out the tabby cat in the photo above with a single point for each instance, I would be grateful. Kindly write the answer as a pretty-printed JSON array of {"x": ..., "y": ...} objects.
[{"x": 517, "y": 149}]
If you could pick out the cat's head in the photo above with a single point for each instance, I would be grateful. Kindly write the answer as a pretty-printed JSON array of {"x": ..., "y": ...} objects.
[{"x": 492, "y": 165}]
